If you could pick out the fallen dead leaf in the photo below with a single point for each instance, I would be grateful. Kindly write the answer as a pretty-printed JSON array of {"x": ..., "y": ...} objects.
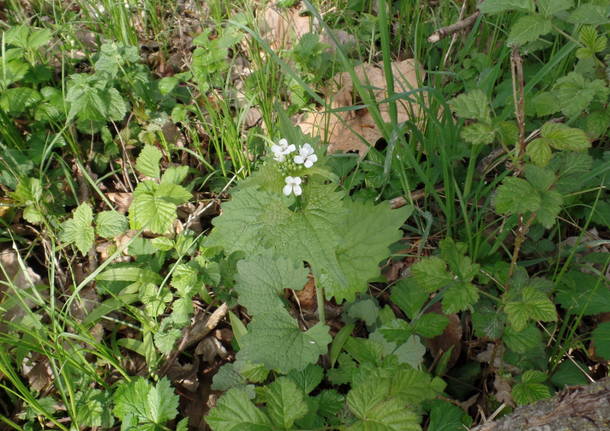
[
  {"x": 307, "y": 296},
  {"x": 281, "y": 27},
  {"x": 503, "y": 390},
  {"x": 121, "y": 201},
  {"x": 14, "y": 274},
  {"x": 355, "y": 130},
  {"x": 451, "y": 338}
]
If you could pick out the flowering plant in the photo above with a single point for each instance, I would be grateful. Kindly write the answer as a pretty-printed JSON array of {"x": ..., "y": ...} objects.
[{"x": 293, "y": 166}]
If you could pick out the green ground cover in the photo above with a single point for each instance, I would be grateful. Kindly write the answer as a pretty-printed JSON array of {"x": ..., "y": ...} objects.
[{"x": 325, "y": 215}]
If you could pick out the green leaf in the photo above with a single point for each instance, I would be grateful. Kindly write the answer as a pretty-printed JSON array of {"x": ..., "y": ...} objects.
[
  {"x": 601, "y": 339},
  {"x": 92, "y": 408},
  {"x": 459, "y": 297},
  {"x": 147, "y": 162},
  {"x": 527, "y": 29},
  {"x": 562, "y": 137},
  {"x": 570, "y": 374},
  {"x": 593, "y": 42},
  {"x": 487, "y": 322},
  {"x": 78, "y": 230},
  {"x": 445, "y": 416},
  {"x": 365, "y": 309},
  {"x": 589, "y": 13},
  {"x": 516, "y": 196},
  {"x": 545, "y": 103},
  {"x": 539, "y": 151},
  {"x": 275, "y": 340},
  {"x": 175, "y": 174},
  {"x": 431, "y": 274},
  {"x": 531, "y": 388},
  {"x": 575, "y": 93},
  {"x": 581, "y": 293},
  {"x": 157, "y": 404},
  {"x": 235, "y": 412},
  {"x": 542, "y": 179},
  {"x": 110, "y": 224},
  {"x": 551, "y": 7},
  {"x": 309, "y": 378},
  {"x": 550, "y": 206},
  {"x": 154, "y": 206},
  {"x": 478, "y": 134},
  {"x": 378, "y": 410},
  {"x": 497, "y": 6},
  {"x": 522, "y": 341},
  {"x": 38, "y": 37},
  {"x": 533, "y": 305},
  {"x": 261, "y": 280},
  {"x": 339, "y": 240},
  {"x": 285, "y": 402},
  {"x": 16, "y": 101},
  {"x": 409, "y": 296},
  {"x": 331, "y": 402},
  {"x": 431, "y": 325},
  {"x": 471, "y": 105}
]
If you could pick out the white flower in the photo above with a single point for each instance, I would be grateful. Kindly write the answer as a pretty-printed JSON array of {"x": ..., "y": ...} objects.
[
  {"x": 282, "y": 149},
  {"x": 293, "y": 185},
  {"x": 306, "y": 156}
]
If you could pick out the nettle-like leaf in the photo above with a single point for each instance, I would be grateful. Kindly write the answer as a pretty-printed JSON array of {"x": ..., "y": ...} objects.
[
  {"x": 234, "y": 411},
  {"x": 285, "y": 402},
  {"x": 472, "y": 105},
  {"x": 528, "y": 29},
  {"x": 79, "y": 230},
  {"x": 516, "y": 196},
  {"x": 478, "y": 133},
  {"x": 551, "y": 7},
  {"x": 147, "y": 162},
  {"x": 575, "y": 93},
  {"x": 562, "y": 137},
  {"x": 143, "y": 403},
  {"x": 531, "y": 388},
  {"x": 342, "y": 241}
]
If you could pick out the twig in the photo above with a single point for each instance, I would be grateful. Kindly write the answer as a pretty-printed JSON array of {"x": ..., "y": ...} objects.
[
  {"x": 454, "y": 36},
  {"x": 516, "y": 66},
  {"x": 417, "y": 195},
  {"x": 521, "y": 234},
  {"x": 453, "y": 28}
]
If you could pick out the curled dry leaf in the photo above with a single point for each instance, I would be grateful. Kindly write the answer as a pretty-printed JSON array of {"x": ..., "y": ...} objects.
[
  {"x": 281, "y": 27},
  {"x": 307, "y": 296},
  {"x": 15, "y": 274},
  {"x": 120, "y": 200},
  {"x": 355, "y": 130}
]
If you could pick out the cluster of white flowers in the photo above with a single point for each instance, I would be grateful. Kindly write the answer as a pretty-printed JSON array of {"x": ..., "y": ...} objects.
[{"x": 306, "y": 157}]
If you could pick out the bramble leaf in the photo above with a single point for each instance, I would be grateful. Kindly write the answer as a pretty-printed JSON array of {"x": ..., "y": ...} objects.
[
  {"x": 539, "y": 151},
  {"x": 527, "y": 29},
  {"x": 110, "y": 224},
  {"x": 562, "y": 137},
  {"x": 147, "y": 162},
  {"x": 285, "y": 402},
  {"x": 478, "y": 133},
  {"x": 431, "y": 273},
  {"x": 531, "y": 388},
  {"x": 532, "y": 305},
  {"x": 516, "y": 196},
  {"x": 78, "y": 230},
  {"x": 472, "y": 105},
  {"x": 154, "y": 206},
  {"x": 601, "y": 340}
]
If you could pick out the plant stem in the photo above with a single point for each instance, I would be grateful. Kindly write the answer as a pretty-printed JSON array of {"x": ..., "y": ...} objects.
[
  {"x": 320, "y": 303},
  {"x": 521, "y": 233},
  {"x": 516, "y": 63}
]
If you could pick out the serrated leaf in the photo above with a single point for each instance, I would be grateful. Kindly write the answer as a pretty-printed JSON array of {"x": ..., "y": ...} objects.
[
  {"x": 275, "y": 340},
  {"x": 175, "y": 174},
  {"x": 522, "y": 341},
  {"x": 165, "y": 340},
  {"x": 575, "y": 93},
  {"x": 472, "y": 105},
  {"x": 261, "y": 280},
  {"x": 478, "y": 133},
  {"x": 147, "y": 162},
  {"x": 562, "y": 137},
  {"x": 542, "y": 179},
  {"x": 570, "y": 374},
  {"x": 497, "y": 6},
  {"x": 377, "y": 410},
  {"x": 459, "y": 297},
  {"x": 431, "y": 325},
  {"x": 78, "y": 230},
  {"x": 583, "y": 293},
  {"x": 151, "y": 211},
  {"x": 550, "y": 206},
  {"x": 110, "y": 224},
  {"x": 551, "y": 7},
  {"x": 431, "y": 273},
  {"x": 445, "y": 416},
  {"x": 531, "y": 388},
  {"x": 331, "y": 402},
  {"x": 589, "y": 13},
  {"x": 527, "y": 29},
  {"x": 409, "y": 296},
  {"x": 285, "y": 402},
  {"x": 130, "y": 399},
  {"x": 162, "y": 402},
  {"x": 533, "y": 305},
  {"x": 309, "y": 378},
  {"x": 516, "y": 196},
  {"x": 365, "y": 309},
  {"x": 601, "y": 339},
  {"x": 487, "y": 322},
  {"x": 539, "y": 151},
  {"x": 545, "y": 103},
  {"x": 234, "y": 411}
]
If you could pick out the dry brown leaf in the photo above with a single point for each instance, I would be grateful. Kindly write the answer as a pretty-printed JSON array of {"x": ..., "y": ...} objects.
[
  {"x": 13, "y": 273},
  {"x": 282, "y": 27},
  {"x": 355, "y": 130},
  {"x": 503, "y": 390},
  {"x": 307, "y": 295},
  {"x": 120, "y": 200},
  {"x": 38, "y": 372},
  {"x": 450, "y": 338}
]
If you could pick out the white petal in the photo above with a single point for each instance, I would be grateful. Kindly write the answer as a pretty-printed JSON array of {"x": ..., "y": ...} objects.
[
  {"x": 288, "y": 180},
  {"x": 297, "y": 190},
  {"x": 299, "y": 160},
  {"x": 297, "y": 180},
  {"x": 307, "y": 149},
  {"x": 279, "y": 157},
  {"x": 308, "y": 163},
  {"x": 287, "y": 189},
  {"x": 283, "y": 142},
  {"x": 313, "y": 158},
  {"x": 290, "y": 149}
]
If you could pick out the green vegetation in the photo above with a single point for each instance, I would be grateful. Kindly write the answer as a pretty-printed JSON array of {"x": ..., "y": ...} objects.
[{"x": 233, "y": 215}]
